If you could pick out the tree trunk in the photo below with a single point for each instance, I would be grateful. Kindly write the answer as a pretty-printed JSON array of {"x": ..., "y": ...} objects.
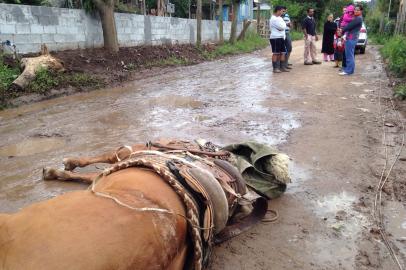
[
  {"x": 258, "y": 18},
  {"x": 246, "y": 24},
  {"x": 106, "y": 12},
  {"x": 382, "y": 25},
  {"x": 233, "y": 33},
  {"x": 221, "y": 21},
  {"x": 401, "y": 20},
  {"x": 199, "y": 23}
]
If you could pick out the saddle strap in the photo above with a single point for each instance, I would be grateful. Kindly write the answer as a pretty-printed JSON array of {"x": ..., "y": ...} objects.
[
  {"x": 258, "y": 213},
  {"x": 174, "y": 148}
]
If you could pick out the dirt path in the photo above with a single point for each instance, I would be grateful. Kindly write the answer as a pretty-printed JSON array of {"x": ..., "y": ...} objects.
[{"x": 329, "y": 125}]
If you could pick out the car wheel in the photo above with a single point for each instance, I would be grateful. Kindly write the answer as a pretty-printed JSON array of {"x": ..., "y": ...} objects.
[{"x": 362, "y": 50}]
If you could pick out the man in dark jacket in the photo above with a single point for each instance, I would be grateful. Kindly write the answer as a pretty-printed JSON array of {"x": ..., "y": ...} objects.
[
  {"x": 310, "y": 35},
  {"x": 352, "y": 32}
]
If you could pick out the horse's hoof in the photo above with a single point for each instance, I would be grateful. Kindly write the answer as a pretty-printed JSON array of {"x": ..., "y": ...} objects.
[
  {"x": 69, "y": 165},
  {"x": 48, "y": 174}
]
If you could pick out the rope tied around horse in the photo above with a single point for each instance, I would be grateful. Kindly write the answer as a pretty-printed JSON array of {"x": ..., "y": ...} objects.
[{"x": 213, "y": 191}]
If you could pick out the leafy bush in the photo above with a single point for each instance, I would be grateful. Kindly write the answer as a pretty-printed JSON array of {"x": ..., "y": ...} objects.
[
  {"x": 7, "y": 75},
  {"x": 394, "y": 51},
  {"x": 400, "y": 91},
  {"x": 43, "y": 82}
]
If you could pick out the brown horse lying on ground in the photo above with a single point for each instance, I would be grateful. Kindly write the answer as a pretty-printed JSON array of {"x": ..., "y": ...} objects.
[{"x": 136, "y": 221}]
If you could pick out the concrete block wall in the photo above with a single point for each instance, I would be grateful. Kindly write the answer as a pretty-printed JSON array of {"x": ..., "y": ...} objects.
[{"x": 30, "y": 26}]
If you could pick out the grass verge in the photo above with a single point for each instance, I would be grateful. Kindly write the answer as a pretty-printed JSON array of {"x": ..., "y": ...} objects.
[{"x": 251, "y": 43}]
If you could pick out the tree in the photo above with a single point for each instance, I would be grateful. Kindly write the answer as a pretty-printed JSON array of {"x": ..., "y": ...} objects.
[
  {"x": 106, "y": 12},
  {"x": 401, "y": 19},
  {"x": 233, "y": 34},
  {"x": 221, "y": 38},
  {"x": 199, "y": 23}
]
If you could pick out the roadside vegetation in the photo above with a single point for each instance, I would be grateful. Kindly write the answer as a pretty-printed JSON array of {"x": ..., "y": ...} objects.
[
  {"x": 44, "y": 82},
  {"x": 384, "y": 28},
  {"x": 251, "y": 43}
]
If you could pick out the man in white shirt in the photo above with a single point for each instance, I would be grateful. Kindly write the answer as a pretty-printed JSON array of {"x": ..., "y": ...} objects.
[{"x": 277, "y": 39}]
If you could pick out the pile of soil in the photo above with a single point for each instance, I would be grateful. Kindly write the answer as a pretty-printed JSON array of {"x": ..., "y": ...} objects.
[
  {"x": 108, "y": 69},
  {"x": 116, "y": 67}
]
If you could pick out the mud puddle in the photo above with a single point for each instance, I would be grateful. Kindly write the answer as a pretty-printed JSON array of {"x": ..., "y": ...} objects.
[
  {"x": 223, "y": 101},
  {"x": 395, "y": 214},
  {"x": 31, "y": 146}
]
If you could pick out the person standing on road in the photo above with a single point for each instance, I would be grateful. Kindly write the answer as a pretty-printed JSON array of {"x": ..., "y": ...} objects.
[
  {"x": 310, "y": 36},
  {"x": 352, "y": 32},
  {"x": 288, "y": 39},
  {"x": 330, "y": 28},
  {"x": 277, "y": 39}
]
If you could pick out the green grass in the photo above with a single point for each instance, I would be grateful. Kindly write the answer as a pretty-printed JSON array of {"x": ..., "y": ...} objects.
[
  {"x": 377, "y": 39},
  {"x": 251, "y": 43},
  {"x": 46, "y": 80},
  {"x": 43, "y": 82},
  {"x": 7, "y": 76},
  {"x": 394, "y": 50},
  {"x": 296, "y": 35},
  {"x": 400, "y": 91},
  {"x": 171, "y": 61}
]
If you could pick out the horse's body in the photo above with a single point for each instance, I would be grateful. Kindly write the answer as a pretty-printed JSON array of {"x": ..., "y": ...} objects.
[
  {"x": 132, "y": 218},
  {"x": 79, "y": 230}
]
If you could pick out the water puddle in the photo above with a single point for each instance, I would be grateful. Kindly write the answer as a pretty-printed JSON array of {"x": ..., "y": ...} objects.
[
  {"x": 31, "y": 146},
  {"x": 338, "y": 213},
  {"x": 395, "y": 214}
]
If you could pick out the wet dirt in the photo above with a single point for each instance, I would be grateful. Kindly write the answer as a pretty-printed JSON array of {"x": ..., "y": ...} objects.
[{"x": 331, "y": 133}]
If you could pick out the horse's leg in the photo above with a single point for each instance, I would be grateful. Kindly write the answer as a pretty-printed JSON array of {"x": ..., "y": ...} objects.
[
  {"x": 110, "y": 157},
  {"x": 54, "y": 174}
]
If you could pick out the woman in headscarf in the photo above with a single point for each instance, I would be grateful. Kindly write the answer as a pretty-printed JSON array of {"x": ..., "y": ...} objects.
[{"x": 330, "y": 28}]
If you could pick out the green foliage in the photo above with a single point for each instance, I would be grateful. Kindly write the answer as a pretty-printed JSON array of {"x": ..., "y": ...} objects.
[
  {"x": 400, "y": 91},
  {"x": 46, "y": 80},
  {"x": 43, "y": 82},
  {"x": 394, "y": 51},
  {"x": 125, "y": 8},
  {"x": 296, "y": 35},
  {"x": 251, "y": 43},
  {"x": 7, "y": 76}
]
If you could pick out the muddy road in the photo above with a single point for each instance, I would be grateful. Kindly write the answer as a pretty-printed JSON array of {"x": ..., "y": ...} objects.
[{"x": 329, "y": 125}]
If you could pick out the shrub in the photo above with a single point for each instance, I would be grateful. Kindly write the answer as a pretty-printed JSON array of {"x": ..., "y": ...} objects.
[
  {"x": 7, "y": 75},
  {"x": 400, "y": 91},
  {"x": 394, "y": 51},
  {"x": 43, "y": 82}
]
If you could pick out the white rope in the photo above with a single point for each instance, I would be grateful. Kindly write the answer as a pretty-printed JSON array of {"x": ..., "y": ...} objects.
[{"x": 382, "y": 181}]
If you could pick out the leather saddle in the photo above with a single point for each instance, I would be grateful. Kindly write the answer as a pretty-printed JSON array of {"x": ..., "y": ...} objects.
[{"x": 217, "y": 185}]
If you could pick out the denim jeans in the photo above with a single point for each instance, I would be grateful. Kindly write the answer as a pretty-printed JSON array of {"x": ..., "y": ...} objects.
[{"x": 350, "y": 56}]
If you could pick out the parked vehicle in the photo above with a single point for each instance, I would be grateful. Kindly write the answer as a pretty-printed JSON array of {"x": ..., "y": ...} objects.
[{"x": 362, "y": 39}]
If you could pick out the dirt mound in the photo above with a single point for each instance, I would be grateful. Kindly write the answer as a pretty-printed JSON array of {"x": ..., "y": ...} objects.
[{"x": 116, "y": 66}]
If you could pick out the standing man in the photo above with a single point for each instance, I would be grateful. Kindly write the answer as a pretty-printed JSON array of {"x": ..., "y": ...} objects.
[
  {"x": 352, "y": 29},
  {"x": 277, "y": 39},
  {"x": 310, "y": 35},
  {"x": 288, "y": 39}
]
